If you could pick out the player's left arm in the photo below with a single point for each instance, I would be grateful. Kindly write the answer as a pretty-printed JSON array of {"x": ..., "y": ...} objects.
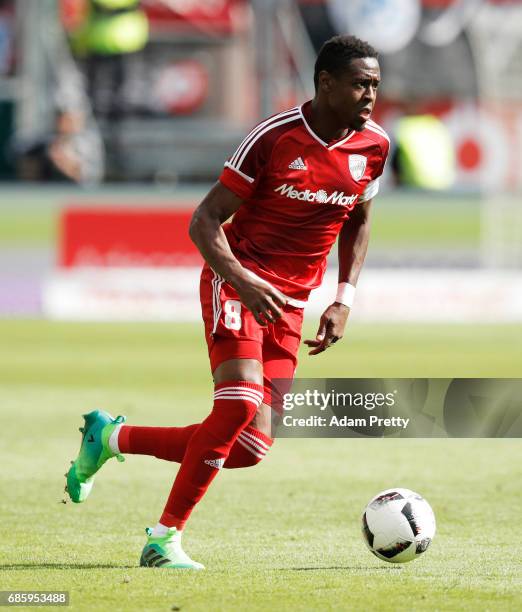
[{"x": 352, "y": 248}]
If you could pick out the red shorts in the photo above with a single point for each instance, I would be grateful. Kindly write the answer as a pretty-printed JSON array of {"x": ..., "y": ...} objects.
[{"x": 232, "y": 332}]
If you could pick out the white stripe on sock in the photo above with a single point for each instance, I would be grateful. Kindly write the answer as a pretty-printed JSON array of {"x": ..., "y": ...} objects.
[
  {"x": 238, "y": 394},
  {"x": 252, "y": 394},
  {"x": 246, "y": 398},
  {"x": 247, "y": 390},
  {"x": 259, "y": 448},
  {"x": 256, "y": 439},
  {"x": 250, "y": 448}
]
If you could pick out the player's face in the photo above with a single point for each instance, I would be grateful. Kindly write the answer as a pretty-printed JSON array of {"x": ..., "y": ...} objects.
[{"x": 352, "y": 95}]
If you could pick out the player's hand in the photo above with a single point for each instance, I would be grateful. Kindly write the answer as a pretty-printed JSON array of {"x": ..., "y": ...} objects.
[
  {"x": 263, "y": 300},
  {"x": 331, "y": 328}
]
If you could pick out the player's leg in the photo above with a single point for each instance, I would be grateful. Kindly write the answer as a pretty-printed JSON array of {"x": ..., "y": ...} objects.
[
  {"x": 235, "y": 331},
  {"x": 104, "y": 437},
  {"x": 280, "y": 353},
  {"x": 239, "y": 391},
  {"x": 254, "y": 441},
  {"x": 231, "y": 335},
  {"x": 237, "y": 395},
  {"x": 279, "y": 361},
  {"x": 170, "y": 443},
  {"x": 207, "y": 449},
  {"x": 234, "y": 340}
]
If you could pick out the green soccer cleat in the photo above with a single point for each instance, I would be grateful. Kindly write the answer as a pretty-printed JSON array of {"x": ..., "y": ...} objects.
[
  {"x": 165, "y": 551},
  {"x": 94, "y": 452}
]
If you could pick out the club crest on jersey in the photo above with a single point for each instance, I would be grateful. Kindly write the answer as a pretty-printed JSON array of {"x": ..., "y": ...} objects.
[{"x": 357, "y": 165}]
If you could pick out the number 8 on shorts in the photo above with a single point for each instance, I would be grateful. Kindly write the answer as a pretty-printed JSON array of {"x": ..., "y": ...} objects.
[{"x": 232, "y": 314}]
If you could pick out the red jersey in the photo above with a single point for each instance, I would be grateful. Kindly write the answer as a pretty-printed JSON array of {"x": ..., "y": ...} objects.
[{"x": 298, "y": 191}]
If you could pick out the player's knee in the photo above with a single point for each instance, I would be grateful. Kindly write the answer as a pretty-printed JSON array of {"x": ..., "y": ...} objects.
[
  {"x": 242, "y": 412},
  {"x": 249, "y": 370},
  {"x": 237, "y": 401}
]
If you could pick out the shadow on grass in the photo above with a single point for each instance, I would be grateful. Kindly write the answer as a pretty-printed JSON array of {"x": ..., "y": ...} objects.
[
  {"x": 86, "y": 566},
  {"x": 338, "y": 567},
  {"x": 63, "y": 566}
]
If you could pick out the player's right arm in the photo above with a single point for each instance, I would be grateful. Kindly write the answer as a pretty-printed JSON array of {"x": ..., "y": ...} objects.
[{"x": 206, "y": 232}]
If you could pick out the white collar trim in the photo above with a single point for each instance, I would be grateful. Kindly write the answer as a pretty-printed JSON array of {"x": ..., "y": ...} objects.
[{"x": 314, "y": 135}]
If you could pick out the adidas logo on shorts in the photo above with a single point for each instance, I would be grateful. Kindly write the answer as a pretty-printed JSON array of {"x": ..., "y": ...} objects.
[{"x": 215, "y": 463}]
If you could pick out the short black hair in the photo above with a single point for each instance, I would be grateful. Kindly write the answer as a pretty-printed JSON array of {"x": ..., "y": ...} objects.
[{"x": 336, "y": 53}]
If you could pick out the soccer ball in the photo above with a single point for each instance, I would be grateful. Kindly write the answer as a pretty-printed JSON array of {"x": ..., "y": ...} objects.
[{"x": 398, "y": 525}]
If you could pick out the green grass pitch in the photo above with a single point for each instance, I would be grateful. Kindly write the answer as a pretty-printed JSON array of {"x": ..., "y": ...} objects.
[{"x": 281, "y": 536}]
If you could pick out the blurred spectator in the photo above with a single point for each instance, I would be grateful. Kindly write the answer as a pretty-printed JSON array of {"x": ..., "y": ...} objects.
[
  {"x": 72, "y": 153},
  {"x": 112, "y": 32},
  {"x": 72, "y": 149}
]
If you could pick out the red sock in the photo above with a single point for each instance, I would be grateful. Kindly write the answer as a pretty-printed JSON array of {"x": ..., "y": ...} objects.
[
  {"x": 249, "y": 449},
  {"x": 167, "y": 443},
  {"x": 170, "y": 444},
  {"x": 235, "y": 404}
]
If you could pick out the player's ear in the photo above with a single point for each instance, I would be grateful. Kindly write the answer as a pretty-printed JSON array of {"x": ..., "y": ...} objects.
[{"x": 325, "y": 81}]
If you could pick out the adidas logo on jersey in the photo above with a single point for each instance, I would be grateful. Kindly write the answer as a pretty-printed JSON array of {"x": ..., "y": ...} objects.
[
  {"x": 298, "y": 164},
  {"x": 215, "y": 463},
  {"x": 320, "y": 196}
]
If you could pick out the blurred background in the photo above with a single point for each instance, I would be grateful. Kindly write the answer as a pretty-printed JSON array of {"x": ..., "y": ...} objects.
[{"x": 116, "y": 116}]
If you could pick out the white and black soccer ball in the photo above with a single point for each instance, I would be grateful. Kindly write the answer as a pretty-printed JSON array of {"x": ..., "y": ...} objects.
[{"x": 398, "y": 525}]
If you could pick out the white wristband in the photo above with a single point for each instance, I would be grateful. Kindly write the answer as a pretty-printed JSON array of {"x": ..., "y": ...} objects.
[{"x": 345, "y": 294}]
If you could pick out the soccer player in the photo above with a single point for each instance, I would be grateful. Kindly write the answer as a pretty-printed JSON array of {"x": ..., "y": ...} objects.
[{"x": 297, "y": 181}]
